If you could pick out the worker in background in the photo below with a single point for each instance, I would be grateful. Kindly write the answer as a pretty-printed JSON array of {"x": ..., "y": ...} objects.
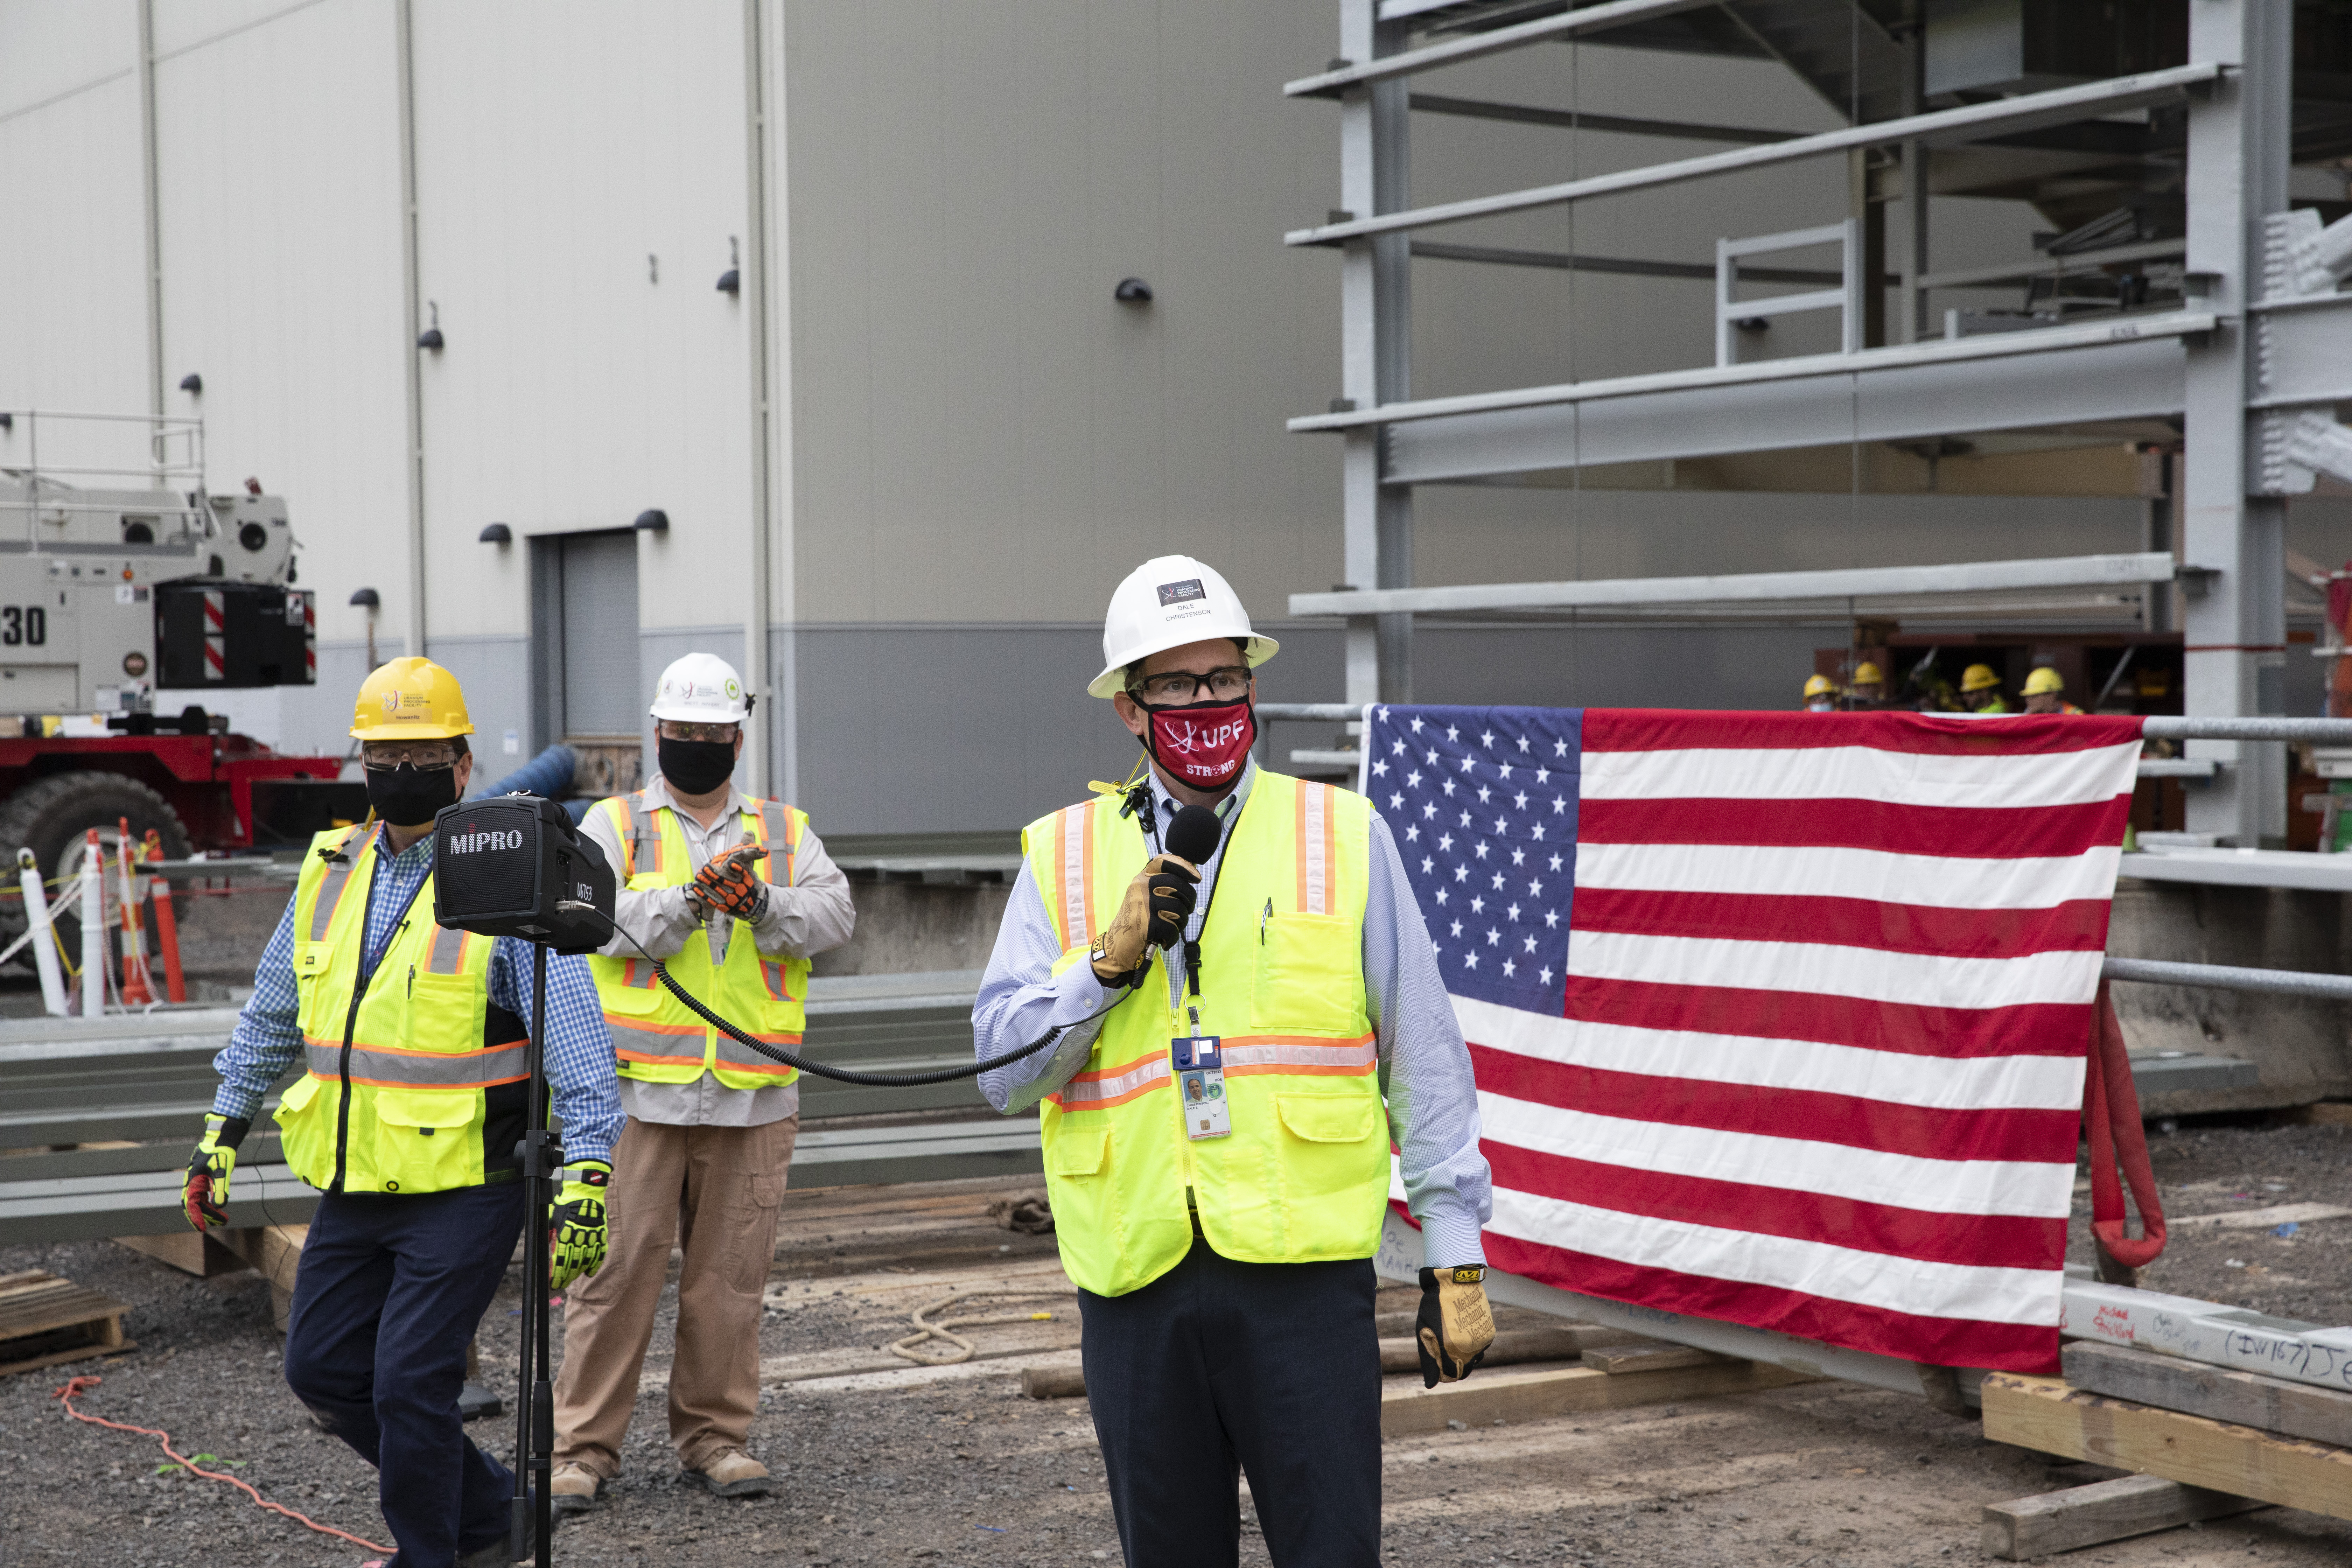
[
  {"x": 735, "y": 895},
  {"x": 1980, "y": 690},
  {"x": 1224, "y": 1260},
  {"x": 1821, "y": 694},
  {"x": 417, "y": 1093},
  {"x": 2045, "y": 692},
  {"x": 1869, "y": 690}
]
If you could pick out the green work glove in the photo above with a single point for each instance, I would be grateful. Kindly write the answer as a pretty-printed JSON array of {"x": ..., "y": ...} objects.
[
  {"x": 575, "y": 1235},
  {"x": 204, "y": 1195},
  {"x": 1454, "y": 1326}
]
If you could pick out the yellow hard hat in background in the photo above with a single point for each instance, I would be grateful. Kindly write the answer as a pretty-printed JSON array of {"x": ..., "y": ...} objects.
[
  {"x": 410, "y": 699},
  {"x": 1978, "y": 676},
  {"x": 2043, "y": 679},
  {"x": 1821, "y": 686},
  {"x": 1868, "y": 675}
]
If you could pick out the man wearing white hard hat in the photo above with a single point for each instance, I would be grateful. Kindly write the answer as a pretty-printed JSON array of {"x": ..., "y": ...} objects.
[
  {"x": 1217, "y": 1133},
  {"x": 735, "y": 895}
]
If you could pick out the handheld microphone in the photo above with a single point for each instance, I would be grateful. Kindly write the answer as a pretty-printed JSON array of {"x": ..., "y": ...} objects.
[{"x": 1193, "y": 834}]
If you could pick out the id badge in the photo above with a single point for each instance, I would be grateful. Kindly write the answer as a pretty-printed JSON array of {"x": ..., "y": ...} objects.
[{"x": 1200, "y": 1066}]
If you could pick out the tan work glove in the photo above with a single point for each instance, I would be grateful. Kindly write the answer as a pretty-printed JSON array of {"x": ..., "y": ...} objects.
[
  {"x": 1455, "y": 1327},
  {"x": 1152, "y": 913}
]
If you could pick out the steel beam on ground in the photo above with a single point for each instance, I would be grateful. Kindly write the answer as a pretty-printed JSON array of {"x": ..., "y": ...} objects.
[
  {"x": 1339, "y": 78},
  {"x": 1970, "y": 122},
  {"x": 1873, "y": 582},
  {"x": 2231, "y": 977}
]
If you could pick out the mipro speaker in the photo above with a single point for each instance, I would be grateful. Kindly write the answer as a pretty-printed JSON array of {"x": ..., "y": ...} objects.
[{"x": 500, "y": 866}]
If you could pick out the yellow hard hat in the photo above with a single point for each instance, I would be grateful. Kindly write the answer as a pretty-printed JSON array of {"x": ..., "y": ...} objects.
[
  {"x": 410, "y": 699},
  {"x": 1869, "y": 675},
  {"x": 1978, "y": 676},
  {"x": 1821, "y": 686},
  {"x": 2043, "y": 679}
]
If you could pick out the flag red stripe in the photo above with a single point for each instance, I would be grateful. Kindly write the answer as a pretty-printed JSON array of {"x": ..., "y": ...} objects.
[
  {"x": 1982, "y": 1241},
  {"x": 1930, "y": 734},
  {"x": 1981, "y": 833},
  {"x": 2079, "y": 926},
  {"x": 1812, "y": 1115},
  {"x": 1938, "y": 1342},
  {"x": 2034, "y": 1029}
]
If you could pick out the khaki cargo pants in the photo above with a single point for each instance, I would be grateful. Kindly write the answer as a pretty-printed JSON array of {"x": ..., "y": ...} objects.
[{"x": 716, "y": 1190}]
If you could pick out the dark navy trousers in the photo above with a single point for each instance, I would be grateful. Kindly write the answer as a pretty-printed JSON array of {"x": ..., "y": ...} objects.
[
  {"x": 390, "y": 1293},
  {"x": 1217, "y": 1367}
]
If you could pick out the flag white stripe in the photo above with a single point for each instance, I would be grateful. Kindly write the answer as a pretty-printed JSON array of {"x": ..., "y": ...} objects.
[
  {"x": 1959, "y": 1291},
  {"x": 1861, "y": 772},
  {"x": 1934, "y": 881},
  {"x": 1873, "y": 975},
  {"x": 2015, "y": 1188},
  {"x": 1936, "y": 1083}
]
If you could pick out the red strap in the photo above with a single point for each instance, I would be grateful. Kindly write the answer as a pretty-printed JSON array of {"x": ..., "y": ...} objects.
[{"x": 2111, "y": 1112}]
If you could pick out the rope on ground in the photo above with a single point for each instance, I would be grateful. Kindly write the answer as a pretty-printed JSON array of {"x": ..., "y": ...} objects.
[
  {"x": 944, "y": 1329},
  {"x": 73, "y": 1390}
]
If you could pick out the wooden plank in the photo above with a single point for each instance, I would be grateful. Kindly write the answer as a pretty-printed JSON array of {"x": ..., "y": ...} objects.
[
  {"x": 2259, "y": 1219},
  {"x": 2046, "y": 1414},
  {"x": 2098, "y": 1513},
  {"x": 61, "y": 1305},
  {"x": 1655, "y": 1355},
  {"x": 2218, "y": 1393},
  {"x": 276, "y": 1251},
  {"x": 189, "y": 1251},
  {"x": 1483, "y": 1399},
  {"x": 1064, "y": 1380},
  {"x": 56, "y": 1358},
  {"x": 2325, "y": 1113},
  {"x": 1512, "y": 1347}
]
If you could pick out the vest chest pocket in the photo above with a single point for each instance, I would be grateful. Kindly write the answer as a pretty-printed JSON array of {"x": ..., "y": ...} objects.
[
  {"x": 310, "y": 961},
  {"x": 443, "y": 1012},
  {"x": 1331, "y": 1149},
  {"x": 1309, "y": 976},
  {"x": 427, "y": 1140}
]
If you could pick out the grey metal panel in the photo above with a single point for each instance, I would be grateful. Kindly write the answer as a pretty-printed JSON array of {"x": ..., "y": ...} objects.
[
  {"x": 2118, "y": 381},
  {"x": 2306, "y": 353},
  {"x": 603, "y": 689}
]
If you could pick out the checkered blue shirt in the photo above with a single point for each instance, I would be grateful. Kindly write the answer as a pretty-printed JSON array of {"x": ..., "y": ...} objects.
[{"x": 579, "y": 1065}]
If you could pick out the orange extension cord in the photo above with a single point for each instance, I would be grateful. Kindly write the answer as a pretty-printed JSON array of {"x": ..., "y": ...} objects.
[{"x": 74, "y": 1388}]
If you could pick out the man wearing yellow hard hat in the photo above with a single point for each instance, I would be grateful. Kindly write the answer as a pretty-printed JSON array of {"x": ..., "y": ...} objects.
[
  {"x": 407, "y": 1121},
  {"x": 1980, "y": 690},
  {"x": 1869, "y": 689},
  {"x": 2045, "y": 692},
  {"x": 1821, "y": 694}
]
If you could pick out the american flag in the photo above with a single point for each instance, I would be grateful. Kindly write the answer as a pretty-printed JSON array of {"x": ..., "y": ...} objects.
[{"x": 1778, "y": 1018}]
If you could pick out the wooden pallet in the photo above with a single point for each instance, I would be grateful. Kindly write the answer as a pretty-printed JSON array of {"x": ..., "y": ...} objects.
[{"x": 45, "y": 1321}]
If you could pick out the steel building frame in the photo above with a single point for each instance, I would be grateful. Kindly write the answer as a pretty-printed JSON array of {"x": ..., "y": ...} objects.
[{"x": 2251, "y": 363}]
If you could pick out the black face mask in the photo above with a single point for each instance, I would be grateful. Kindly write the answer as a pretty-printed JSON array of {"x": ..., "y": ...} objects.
[
  {"x": 695, "y": 767},
  {"x": 406, "y": 797}
]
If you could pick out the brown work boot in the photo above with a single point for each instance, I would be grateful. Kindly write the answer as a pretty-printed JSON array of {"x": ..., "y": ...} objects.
[
  {"x": 572, "y": 1488},
  {"x": 731, "y": 1472}
]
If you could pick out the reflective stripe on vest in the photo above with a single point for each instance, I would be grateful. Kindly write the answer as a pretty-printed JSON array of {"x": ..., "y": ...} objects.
[
  {"x": 1304, "y": 1175},
  {"x": 338, "y": 877},
  {"x": 390, "y": 1067}
]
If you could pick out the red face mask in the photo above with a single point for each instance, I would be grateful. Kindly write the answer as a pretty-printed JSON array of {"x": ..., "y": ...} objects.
[{"x": 1203, "y": 744}]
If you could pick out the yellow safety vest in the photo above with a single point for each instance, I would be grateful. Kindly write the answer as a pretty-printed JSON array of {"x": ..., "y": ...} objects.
[
  {"x": 653, "y": 1035},
  {"x": 1304, "y": 1175},
  {"x": 417, "y": 1081}
]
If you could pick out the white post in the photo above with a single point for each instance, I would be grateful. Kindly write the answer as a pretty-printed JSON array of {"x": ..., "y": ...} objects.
[
  {"x": 44, "y": 942},
  {"x": 93, "y": 925}
]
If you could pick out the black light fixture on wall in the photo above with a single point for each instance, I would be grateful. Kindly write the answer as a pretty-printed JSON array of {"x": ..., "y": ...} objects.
[
  {"x": 430, "y": 338},
  {"x": 1132, "y": 291},
  {"x": 652, "y": 520},
  {"x": 732, "y": 280},
  {"x": 497, "y": 533},
  {"x": 192, "y": 382}
]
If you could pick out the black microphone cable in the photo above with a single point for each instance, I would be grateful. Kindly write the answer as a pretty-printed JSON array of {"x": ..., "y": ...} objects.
[{"x": 793, "y": 1059}]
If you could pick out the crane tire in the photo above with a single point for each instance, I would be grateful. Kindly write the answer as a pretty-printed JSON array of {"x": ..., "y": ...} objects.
[{"x": 49, "y": 815}]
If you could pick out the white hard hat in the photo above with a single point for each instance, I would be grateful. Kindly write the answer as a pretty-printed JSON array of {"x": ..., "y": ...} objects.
[
  {"x": 701, "y": 689},
  {"x": 1166, "y": 603}
]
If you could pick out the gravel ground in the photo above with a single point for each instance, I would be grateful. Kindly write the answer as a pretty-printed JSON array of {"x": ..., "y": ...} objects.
[{"x": 953, "y": 1467}]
